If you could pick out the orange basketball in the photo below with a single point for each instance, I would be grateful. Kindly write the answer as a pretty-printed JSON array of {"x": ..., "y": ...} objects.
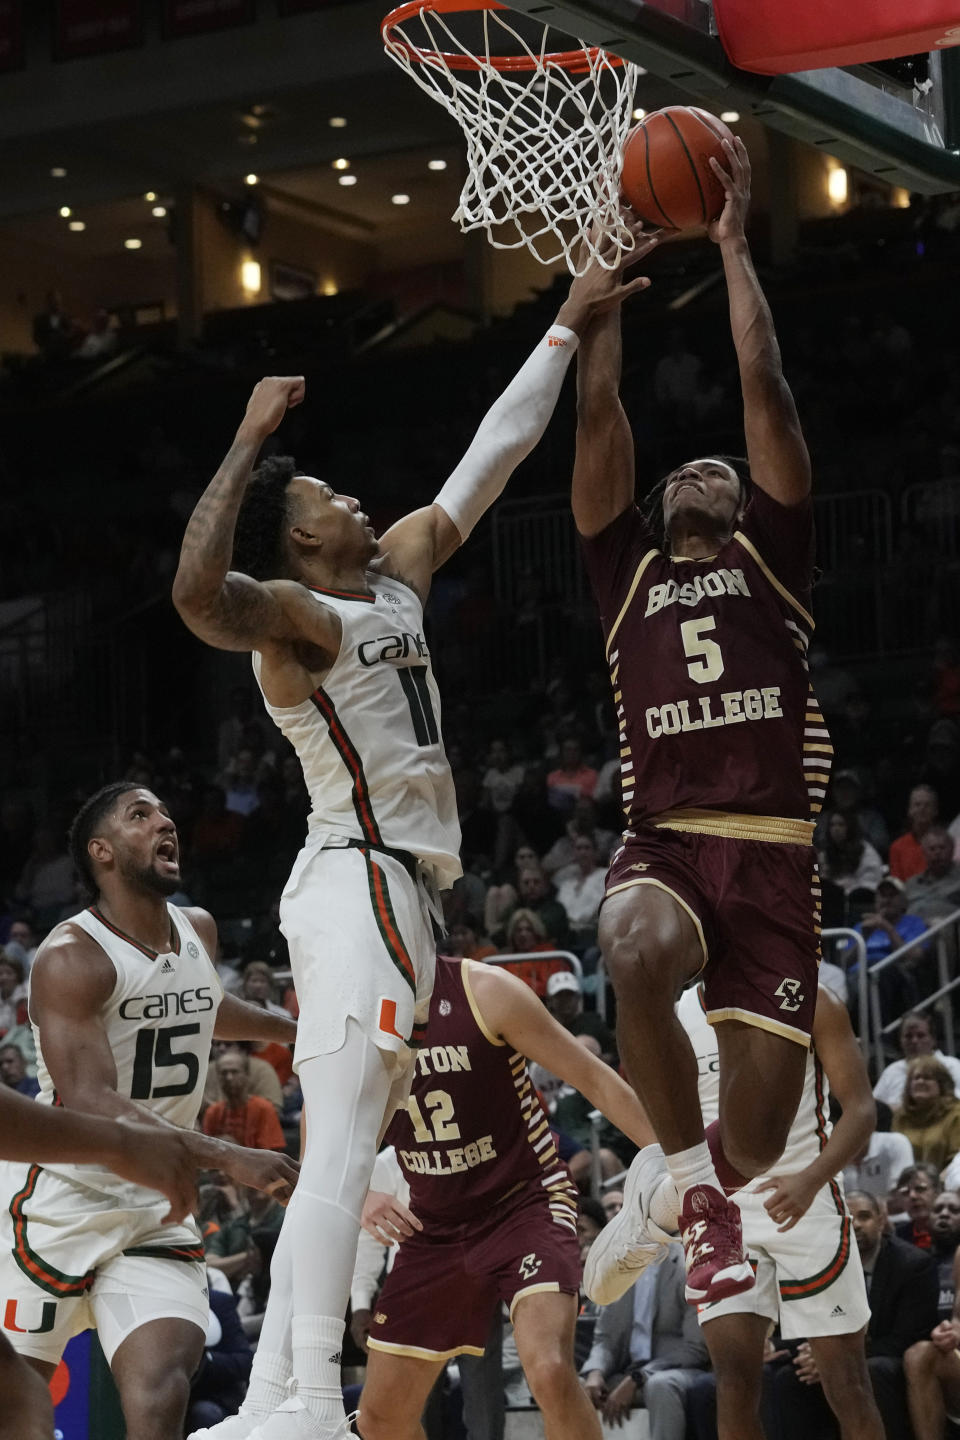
[{"x": 667, "y": 180}]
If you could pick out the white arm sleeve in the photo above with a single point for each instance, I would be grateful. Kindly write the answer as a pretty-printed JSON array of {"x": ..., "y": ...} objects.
[{"x": 509, "y": 431}]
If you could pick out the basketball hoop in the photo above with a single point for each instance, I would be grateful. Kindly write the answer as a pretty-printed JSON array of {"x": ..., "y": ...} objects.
[{"x": 544, "y": 128}]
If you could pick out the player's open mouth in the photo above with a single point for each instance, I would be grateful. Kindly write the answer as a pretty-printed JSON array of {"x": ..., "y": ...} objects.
[{"x": 167, "y": 850}]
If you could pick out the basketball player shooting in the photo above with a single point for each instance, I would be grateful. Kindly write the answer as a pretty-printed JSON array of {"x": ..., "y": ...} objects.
[
  {"x": 334, "y": 618},
  {"x": 705, "y": 601}
]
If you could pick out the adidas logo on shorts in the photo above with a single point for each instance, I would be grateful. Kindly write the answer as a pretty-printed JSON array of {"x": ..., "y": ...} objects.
[{"x": 837, "y": 1310}]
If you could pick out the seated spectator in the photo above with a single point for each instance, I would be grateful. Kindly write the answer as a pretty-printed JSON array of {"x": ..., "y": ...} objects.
[
  {"x": 847, "y": 797},
  {"x": 13, "y": 1072},
  {"x": 46, "y": 883},
  {"x": 464, "y": 941},
  {"x": 902, "y": 1284},
  {"x": 572, "y": 777},
  {"x": 581, "y": 892},
  {"x": 502, "y": 897},
  {"x": 612, "y": 1202},
  {"x": 501, "y": 779},
  {"x": 21, "y": 943},
  {"x": 906, "y": 852},
  {"x": 13, "y": 993},
  {"x": 239, "y": 782},
  {"x": 932, "y": 1366},
  {"x": 591, "y": 1218},
  {"x": 647, "y": 1350},
  {"x": 239, "y": 1116},
  {"x": 886, "y": 928},
  {"x": 935, "y": 892},
  {"x": 536, "y": 894},
  {"x": 570, "y": 1115},
  {"x": 527, "y": 936},
  {"x": 562, "y": 853},
  {"x": 220, "y": 1381},
  {"x": 930, "y": 1113},
  {"x": 226, "y": 1233},
  {"x": 565, "y": 1003},
  {"x": 917, "y": 1036},
  {"x": 945, "y": 1235},
  {"x": 263, "y": 1078},
  {"x": 847, "y": 859},
  {"x": 882, "y": 1160},
  {"x": 911, "y": 1201},
  {"x": 257, "y": 987}
]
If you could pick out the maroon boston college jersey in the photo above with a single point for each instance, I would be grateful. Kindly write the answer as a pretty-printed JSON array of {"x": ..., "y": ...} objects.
[
  {"x": 473, "y": 1131},
  {"x": 709, "y": 670}
]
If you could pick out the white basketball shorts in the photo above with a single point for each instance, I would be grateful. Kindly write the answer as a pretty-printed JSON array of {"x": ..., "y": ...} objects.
[
  {"x": 75, "y": 1259},
  {"x": 809, "y": 1279},
  {"x": 361, "y": 944}
]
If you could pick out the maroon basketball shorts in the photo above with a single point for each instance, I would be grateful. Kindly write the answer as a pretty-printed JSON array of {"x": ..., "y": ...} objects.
[
  {"x": 440, "y": 1297},
  {"x": 756, "y": 906}
]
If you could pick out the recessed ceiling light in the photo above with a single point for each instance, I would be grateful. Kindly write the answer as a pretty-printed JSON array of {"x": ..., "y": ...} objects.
[
  {"x": 341, "y": 164},
  {"x": 638, "y": 114},
  {"x": 337, "y": 122},
  {"x": 400, "y": 199},
  {"x": 729, "y": 117},
  {"x": 436, "y": 164},
  {"x": 65, "y": 212},
  {"x": 58, "y": 172},
  {"x": 159, "y": 211},
  {"x": 150, "y": 196},
  {"x": 346, "y": 179},
  {"x": 251, "y": 179},
  {"x": 132, "y": 244},
  {"x": 77, "y": 225}
]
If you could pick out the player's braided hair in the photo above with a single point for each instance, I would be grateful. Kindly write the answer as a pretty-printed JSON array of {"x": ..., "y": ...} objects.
[
  {"x": 258, "y": 538},
  {"x": 652, "y": 507},
  {"x": 86, "y": 823}
]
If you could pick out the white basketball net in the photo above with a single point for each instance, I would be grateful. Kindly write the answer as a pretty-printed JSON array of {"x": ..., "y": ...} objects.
[{"x": 544, "y": 145}]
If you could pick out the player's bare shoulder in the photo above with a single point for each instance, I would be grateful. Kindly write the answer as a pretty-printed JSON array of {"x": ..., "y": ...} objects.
[
  {"x": 204, "y": 924},
  {"x": 70, "y": 968}
]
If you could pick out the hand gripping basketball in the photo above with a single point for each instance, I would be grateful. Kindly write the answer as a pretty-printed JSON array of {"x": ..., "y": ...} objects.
[{"x": 735, "y": 179}]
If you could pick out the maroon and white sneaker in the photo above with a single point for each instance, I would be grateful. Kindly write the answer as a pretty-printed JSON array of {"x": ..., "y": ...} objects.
[{"x": 712, "y": 1236}]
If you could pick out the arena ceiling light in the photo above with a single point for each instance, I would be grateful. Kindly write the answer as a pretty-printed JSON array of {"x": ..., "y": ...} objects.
[
  {"x": 251, "y": 179},
  {"x": 729, "y": 117},
  {"x": 58, "y": 172},
  {"x": 436, "y": 164},
  {"x": 346, "y": 179},
  {"x": 158, "y": 211},
  {"x": 150, "y": 196},
  {"x": 400, "y": 199},
  {"x": 132, "y": 244},
  {"x": 337, "y": 122},
  {"x": 639, "y": 114},
  {"x": 77, "y": 225},
  {"x": 341, "y": 164},
  {"x": 65, "y": 212}
]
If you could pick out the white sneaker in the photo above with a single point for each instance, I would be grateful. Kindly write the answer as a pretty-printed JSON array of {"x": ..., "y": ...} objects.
[
  {"x": 293, "y": 1421},
  {"x": 235, "y": 1427},
  {"x": 630, "y": 1241}
]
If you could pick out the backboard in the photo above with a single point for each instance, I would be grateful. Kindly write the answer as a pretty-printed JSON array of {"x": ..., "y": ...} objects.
[{"x": 899, "y": 121}]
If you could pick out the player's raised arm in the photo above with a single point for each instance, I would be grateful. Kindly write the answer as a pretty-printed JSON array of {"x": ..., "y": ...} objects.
[
  {"x": 221, "y": 606},
  {"x": 603, "y": 471},
  {"x": 510, "y": 430},
  {"x": 839, "y": 1054},
  {"x": 511, "y": 1010},
  {"x": 779, "y": 462}
]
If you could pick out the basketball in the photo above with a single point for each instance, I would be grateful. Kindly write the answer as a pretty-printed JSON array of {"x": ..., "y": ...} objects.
[{"x": 666, "y": 178}]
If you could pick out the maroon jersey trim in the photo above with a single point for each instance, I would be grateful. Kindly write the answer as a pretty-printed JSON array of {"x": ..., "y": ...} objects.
[
  {"x": 551, "y": 1287},
  {"x": 772, "y": 828},
  {"x": 419, "y": 1352},
  {"x": 630, "y": 594},
  {"x": 780, "y": 588},
  {"x": 482, "y": 1025}
]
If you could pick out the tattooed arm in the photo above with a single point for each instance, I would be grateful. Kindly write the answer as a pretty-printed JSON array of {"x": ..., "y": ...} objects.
[{"x": 221, "y": 606}]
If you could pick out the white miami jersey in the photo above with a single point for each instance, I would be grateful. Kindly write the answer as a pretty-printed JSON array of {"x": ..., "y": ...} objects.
[
  {"x": 369, "y": 737},
  {"x": 811, "y": 1126},
  {"x": 159, "y": 1023}
]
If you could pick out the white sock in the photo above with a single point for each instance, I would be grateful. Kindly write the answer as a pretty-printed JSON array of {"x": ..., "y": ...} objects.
[
  {"x": 268, "y": 1383},
  {"x": 317, "y": 1341},
  {"x": 693, "y": 1167}
]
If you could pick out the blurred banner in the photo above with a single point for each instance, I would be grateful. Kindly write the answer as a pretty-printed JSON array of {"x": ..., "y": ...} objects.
[
  {"x": 11, "y": 34},
  {"x": 197, "y": 17},
  {"x": 91, "y": 27}
]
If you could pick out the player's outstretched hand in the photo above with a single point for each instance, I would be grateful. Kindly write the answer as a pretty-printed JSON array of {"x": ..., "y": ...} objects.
[
  {"x": 160, "y": 1160},
  {"x": 791, "y": 1199},
  {"x": 272, "y": 397},
  {"x": 734, "y": 176},
  {"x": 262, "y": 1170},
  {"x": 387, "y": 1219},
  {"x": 602, "y": 287}
]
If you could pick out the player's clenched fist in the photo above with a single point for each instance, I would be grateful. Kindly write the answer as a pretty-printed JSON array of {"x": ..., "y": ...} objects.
[
  {"x": 272, "y": 397},
  {"x": 263, "y": 1170}
]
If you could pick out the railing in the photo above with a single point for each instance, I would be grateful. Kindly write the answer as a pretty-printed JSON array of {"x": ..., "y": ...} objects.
[
  {"x": 945, "y": 935},
  {"x": 856, "y": 950}
]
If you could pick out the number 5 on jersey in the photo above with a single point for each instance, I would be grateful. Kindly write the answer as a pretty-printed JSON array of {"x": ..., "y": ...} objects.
[{"x": 706, "y": 661}]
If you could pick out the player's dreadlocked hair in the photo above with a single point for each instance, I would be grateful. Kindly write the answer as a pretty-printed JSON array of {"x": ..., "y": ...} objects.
[
  {"x": 652, "y": 507},
  {"x": 258, "y": 538},
  {"x": 86, "y": 822}
]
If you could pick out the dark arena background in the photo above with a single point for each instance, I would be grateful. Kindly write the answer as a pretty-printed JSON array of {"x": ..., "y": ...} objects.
[{"x": 194, "y": 195}]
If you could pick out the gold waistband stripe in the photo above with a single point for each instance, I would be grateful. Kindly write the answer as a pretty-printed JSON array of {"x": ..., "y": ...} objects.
[{"x": 737, "y": 827}]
